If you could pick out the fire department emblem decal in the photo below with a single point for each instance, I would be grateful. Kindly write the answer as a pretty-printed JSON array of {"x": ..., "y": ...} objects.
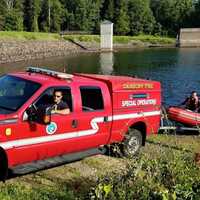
[{"x": 51, "y": 128}]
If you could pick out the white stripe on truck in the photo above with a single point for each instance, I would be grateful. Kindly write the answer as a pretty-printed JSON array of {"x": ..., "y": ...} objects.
[{"x": 94, "y": 125}]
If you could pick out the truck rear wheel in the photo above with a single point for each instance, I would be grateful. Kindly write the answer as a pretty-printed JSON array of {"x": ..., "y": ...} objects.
[{"x": 132, "y": 143}]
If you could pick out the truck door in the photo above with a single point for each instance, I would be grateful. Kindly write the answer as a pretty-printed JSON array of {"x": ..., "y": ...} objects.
[
  {"x": 94, "y": 115},
  {"x": 36, "y": 141}
]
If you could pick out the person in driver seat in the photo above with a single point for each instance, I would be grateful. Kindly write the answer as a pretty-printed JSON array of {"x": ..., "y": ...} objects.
[{"x": 59, "y": 106}]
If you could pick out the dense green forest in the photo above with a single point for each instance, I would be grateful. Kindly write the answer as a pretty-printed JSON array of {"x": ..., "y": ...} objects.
[{"x": 130, "y": 17}]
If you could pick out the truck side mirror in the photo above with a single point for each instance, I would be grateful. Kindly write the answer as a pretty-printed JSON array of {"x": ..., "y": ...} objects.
[
  {"x": 46, "y": 116},
  {"x": 41, "y": 115},
  {"x": 31, "y": 113}
]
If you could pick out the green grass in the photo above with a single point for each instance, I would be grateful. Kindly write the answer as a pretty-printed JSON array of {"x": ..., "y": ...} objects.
[
  {"x": 123, "y": 39},
  {"x": 164, "y": 170},
  {"x": 190, "y": 143},
  {"x": 6, "y": 35},
  {"x": 20, "y": 191},
  {"x": 155, "y": 39},
  {"x": 144, "y": 38},
  {"x": 83, "y": 38}
]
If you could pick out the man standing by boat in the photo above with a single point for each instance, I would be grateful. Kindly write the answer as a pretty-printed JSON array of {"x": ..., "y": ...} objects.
[{"x": 192, "y": 102}]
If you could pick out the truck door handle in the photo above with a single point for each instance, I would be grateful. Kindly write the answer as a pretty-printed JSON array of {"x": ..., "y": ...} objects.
[
  {"x": 74, "y": 123},
  {"x": 105, "y": 118}
]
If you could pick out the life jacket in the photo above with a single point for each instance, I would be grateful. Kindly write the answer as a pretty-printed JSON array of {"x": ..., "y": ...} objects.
[{"x": 192, "y": 103}]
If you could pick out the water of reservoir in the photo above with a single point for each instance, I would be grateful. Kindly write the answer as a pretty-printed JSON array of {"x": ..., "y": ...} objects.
[{"x": 178, "y": 70}]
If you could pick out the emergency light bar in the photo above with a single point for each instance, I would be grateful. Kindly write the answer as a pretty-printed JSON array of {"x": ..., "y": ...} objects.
[{"x": 49, "y": 72}]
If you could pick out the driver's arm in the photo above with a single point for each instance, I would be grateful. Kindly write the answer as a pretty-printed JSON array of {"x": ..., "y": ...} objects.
[{"x": 62, "y": 112}]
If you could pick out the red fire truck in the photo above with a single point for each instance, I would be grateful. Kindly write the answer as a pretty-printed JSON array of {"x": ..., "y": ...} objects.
[{"x": 104, "y": 110}]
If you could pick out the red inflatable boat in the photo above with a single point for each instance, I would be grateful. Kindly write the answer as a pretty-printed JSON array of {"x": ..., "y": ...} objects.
[{"x": 184, "y": 116}]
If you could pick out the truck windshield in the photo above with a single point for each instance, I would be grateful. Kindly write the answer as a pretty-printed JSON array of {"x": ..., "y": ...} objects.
[{"x": 14, "y": 92}]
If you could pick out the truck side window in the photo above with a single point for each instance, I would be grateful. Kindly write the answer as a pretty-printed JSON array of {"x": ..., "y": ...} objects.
[
  {"x": 92, "y": 98},
  {"x": 47, "y": 97}
]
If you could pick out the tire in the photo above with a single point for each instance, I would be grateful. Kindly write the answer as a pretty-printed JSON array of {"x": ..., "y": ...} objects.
[
  {"x": 132, "y": 143},
  {"x": 3, "y": 166}
]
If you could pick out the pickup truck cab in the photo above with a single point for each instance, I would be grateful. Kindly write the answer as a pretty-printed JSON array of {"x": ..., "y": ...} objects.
[{"x": 104, "y": 110}]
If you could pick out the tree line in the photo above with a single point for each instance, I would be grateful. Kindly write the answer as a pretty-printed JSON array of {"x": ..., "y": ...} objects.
[{"x": 130, "y": 17}]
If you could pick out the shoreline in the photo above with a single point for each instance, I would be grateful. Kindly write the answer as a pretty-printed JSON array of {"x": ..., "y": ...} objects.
[{"x": 20, "y": 50}]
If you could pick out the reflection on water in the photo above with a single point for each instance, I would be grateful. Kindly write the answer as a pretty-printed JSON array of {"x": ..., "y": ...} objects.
[
  {"x": 178, "y": 70},
  {"x": 106, "y": 62}
]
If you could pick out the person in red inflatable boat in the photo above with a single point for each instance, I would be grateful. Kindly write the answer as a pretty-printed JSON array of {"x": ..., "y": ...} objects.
[{"x": 192, "y": 102}]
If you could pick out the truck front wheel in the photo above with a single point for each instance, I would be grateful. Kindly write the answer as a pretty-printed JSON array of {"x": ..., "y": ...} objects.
[{"x": 132, "y": 143}]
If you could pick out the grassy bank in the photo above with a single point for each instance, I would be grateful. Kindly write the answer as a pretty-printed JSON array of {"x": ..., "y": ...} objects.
[
  {"x": 6, "y": 35},
  {"x": 144, "y": 38},
  {"x": 24, "y": 36},
  {"x": 124, "y": 39},
  {"x": 164, "y": 170}
]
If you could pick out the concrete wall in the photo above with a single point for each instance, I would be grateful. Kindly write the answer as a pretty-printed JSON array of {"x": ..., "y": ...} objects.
[
  {"x": 12, "y": 51},
  {"x": 106, "y": 36},
  {"x": 189, "y": 37}
]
